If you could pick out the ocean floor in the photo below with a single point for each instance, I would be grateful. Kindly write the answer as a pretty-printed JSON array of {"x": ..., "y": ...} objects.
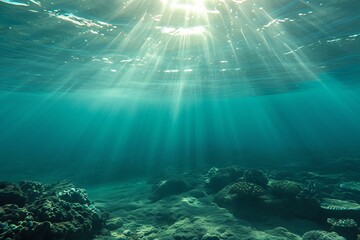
[
  {"x": 190, "y": 215},
  {"x": 216, "y": 203},
  {"x": 199, "y": 206}
]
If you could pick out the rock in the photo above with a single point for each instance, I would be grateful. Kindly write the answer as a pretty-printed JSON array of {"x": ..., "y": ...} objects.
[
  {"x": 257, "y": 177},
  {"x": 287, "y": 189},
  {"x": 306, "y": 207},
  {"x": 248, "y": 200},
  {"x": 168, "y": 187},
  {"x": 127, "y": 232},
  {"x": 114, "y": 223},
  {"x": 197, "y": 194},
  {"x": 238, "y": 194},
  {"x": 296, "y": 200},
  {"x": 225, "y": 198},
  {"x": 300, "y": 207},
  {"x": 321, "y": 235},
  {"x": 189, "y": 232},
  {"x": 243, "y": 201},
  {"x": 219, "y": 178},
  {"x": 10, "y": 193}
]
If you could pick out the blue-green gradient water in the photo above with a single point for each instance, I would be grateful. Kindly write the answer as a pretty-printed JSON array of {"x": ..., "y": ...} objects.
[{"x": 125, "y": 87}]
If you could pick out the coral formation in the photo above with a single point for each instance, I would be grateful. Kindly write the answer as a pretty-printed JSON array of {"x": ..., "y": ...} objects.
[
  {"x": 351, "y": 186},
  {"x": 11, "y": 193},
  {"x": 74, "y": 195},
  {"x": 346, "y": 222},
  {"x": 336, "y": 208},
  {"x": 346, "y": 227},
  {"x": 339, "y": 205},
  {"x": 32, "y": 189},
  {"x": 247, "y": 190},
  {"x": 52, "y": 212},
  {"x": 286, "y": 188},
  {"x": 219, "y": 178},
  {"x": 256, "y": 176}
]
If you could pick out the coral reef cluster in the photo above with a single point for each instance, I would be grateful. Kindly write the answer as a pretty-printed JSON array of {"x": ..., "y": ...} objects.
[
  {"x": 30, "y": 210},
  {"x": 247, "y": 190},
  {"x": 256, "y": 176},
  {"x": 304, "y": 195},
  {"x": 218, "y": 178},
  {"x": 286, "y": 188}
]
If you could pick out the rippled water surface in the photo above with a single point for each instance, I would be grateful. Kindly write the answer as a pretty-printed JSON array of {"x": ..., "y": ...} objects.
[{"x": 178, "y": 47}]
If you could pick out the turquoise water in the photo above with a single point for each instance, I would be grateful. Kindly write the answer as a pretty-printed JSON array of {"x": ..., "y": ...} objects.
[{"x": 130, "y": 87}]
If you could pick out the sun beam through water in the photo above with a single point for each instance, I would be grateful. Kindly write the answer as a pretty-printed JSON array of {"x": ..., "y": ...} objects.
[{"x": 183, "y": 47}]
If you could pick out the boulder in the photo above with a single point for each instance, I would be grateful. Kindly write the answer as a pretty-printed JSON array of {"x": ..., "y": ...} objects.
[{"x": 168, "y": 187}]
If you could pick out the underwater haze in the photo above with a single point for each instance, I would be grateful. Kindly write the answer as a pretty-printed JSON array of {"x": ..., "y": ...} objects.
[{"x": 129, "y": 87}]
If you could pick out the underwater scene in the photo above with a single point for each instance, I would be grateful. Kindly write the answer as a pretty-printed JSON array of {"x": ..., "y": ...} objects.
[{"x": 180, "y": 120}]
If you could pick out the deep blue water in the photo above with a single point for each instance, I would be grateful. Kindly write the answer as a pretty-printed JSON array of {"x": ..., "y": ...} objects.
[{"x": 133, "y": 86}]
